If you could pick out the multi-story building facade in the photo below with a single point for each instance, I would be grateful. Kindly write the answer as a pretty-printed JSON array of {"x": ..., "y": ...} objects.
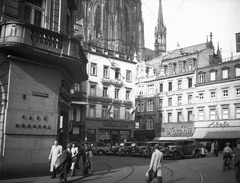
[
  {"x": 112, "y": 33},
  {"x": 166, "y": 93},
  {"x": 217, "y": 113},
  {"x": 40, "y": 63}
]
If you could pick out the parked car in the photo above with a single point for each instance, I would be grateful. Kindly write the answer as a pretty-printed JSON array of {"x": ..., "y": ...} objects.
[
  {"x": 138, "y": 147},
  {"x": 189, "y": 147},
  {"x": 147, "y": 152},
  {"x": 112, "y": 150},
  {"x": 100, "y": 148},
  {"x": 207, "y": 146},
  {"x": 125, "y": 149}
]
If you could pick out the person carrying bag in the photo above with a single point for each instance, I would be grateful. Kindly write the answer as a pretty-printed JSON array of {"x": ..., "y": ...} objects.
[{"x": 155, "y": 167}]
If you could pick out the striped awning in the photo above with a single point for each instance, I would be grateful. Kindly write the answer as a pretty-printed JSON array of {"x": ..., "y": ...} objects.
[{"x": 217, "y": 133}]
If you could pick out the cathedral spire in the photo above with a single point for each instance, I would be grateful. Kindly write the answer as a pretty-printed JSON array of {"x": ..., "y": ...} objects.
[{"x": 160, "y": 33}]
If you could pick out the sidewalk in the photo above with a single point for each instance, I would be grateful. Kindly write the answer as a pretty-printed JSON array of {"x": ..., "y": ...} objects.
[{"x": 44, "y": 179}]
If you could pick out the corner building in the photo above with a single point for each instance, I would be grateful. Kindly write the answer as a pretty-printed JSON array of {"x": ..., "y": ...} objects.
[
  {"x": 113, "y": 40},
  {"x": 40, "y": 62}
]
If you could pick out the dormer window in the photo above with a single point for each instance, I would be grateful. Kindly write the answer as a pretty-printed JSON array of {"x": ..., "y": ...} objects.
[
  {"x": 213, "y": 74},
  {"x": 237, "y": 70},
  {"x": 225, "y": 74},
  {"x": 201, "y": 77}
]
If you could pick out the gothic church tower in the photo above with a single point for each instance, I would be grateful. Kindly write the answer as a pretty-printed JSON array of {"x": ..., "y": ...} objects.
[{"x": 160, "y": 34}]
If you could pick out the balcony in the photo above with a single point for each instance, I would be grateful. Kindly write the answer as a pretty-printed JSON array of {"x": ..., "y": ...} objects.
[
  {"x": 116, "y": 83},
  {"x": 45, "y": 46},
  {"x": 99, "y": 99}
]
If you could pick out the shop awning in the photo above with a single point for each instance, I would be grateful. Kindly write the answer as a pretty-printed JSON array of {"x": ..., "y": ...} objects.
[
  {"x": 79, "y": 102},
  {"x": 217, "y": 133},
  {"x": 171, "y": 138}
]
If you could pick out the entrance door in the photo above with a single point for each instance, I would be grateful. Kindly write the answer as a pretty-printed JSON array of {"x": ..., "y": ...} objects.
[
  {"x": 115, "y": 137},
  {"x": 63, "y": 129}
]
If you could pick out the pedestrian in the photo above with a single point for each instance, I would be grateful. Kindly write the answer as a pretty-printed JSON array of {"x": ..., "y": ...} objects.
[
  {"x": 79, "y": 146},
  {"x": 236, "y": 160},
  {"x": 74, "y": 152},
  {"x": 216, "y": 149},
  {"x": 65, "y": 163},
  {"x": 156, "y": 164},
  {"x": 212, "y": 148},
  {"x": 53, "y": 157}
]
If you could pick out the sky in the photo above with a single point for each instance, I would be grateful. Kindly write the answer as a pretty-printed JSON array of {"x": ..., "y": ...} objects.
[{"x": 189, "y": 22}]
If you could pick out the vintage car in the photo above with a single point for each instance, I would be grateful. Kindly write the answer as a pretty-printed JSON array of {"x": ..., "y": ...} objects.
[
  {"x": 187, "y": 147},
  {"x": 147, "y": 151},
  {"x": 125, "y": 149},
  {"x": 138, "y": 147},
  {"x": 100, "y": 148}
]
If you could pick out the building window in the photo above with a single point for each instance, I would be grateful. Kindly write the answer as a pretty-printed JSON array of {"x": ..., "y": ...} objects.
[
  {"x": 117, "y": 73},
  {"x": 127, "y": 114},
  {"x": 105, "y": 91},
  {"x": 189, "y": 99},
  {"x": 34, "y": 12},
  {"x": 128, "y": 95},
  {"x": 201, "y": 78},
  {"x": 201, "y": 96},
  {"x": 116, "y": 94},
  {"x": 149, "y": 124},
  {"x": 212, "y": 95},
  {"x": 140, "y": 90},
  {"x": 150, "y": 105},
  {"x": 74, "y": 114},
  {"x": 169, "y": 86},
  {"x": 160, "y": 87},
  {"x": 238, "y": 112},
  {"x": 190, "y": 116},
  {"x": 128, "y": 76},
  {"x": 190, "y": 66},
  {"x": 179, "y": 116},
  {"x": 160, "y": 102},
  {"x": 116, "y": 113},
  {"x": 142, "y": 106},
  {"x": 213, "y": 76},
  {"x": 179, "y": 100},
  {"x": 189, "y": 82},
  {"x": 212, "y": 113},
  {"x": 165, "y": 70},
  {"x": 104, "y": 111},
  {"x": 179, "y": 84},
  {"x": 77, "y": 87},
  {"x": 169, "y": 117},
  {"x": 169, "y": 101},
  {"x": 225, "y": 93},
  {"x": 237, "y": 92},
  {"x": 106, "y": 71},
  {"x": 151, "y": 89},
  {"x": 225, "y": 73},
  {"x": 93, "y": 69},
  {"x": 200, "y": 115},
  {"x": 92, "y": 111},
  {"x": 237, "y": 70},
  {"x": 225, "y": 112},
  {"x": 92, "y": 90}
]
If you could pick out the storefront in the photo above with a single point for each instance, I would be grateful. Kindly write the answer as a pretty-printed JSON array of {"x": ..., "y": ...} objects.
[
  {"x": 113, "y": 132},
  {"x": 175, "y": 131},
  {"x": 221, "y": 131}
]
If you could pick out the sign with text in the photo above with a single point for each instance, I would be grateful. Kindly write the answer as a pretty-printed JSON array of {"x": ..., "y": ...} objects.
[{"x": 177, "y": 129}]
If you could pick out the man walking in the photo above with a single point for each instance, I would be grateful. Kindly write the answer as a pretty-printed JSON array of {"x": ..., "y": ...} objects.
[
  {"x": 53, "y": 158},
  {"x": 156, "y": 164}
]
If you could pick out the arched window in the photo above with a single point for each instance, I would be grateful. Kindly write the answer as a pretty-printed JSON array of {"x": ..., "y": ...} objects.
[{"x": 97, "y": 21}]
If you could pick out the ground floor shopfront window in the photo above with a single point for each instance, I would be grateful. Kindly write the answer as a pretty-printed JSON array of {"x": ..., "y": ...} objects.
[{"x": 114, "y": 136}]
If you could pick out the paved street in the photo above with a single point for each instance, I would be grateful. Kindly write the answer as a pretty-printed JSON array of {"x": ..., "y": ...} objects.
[{"x": 115, "y": 169}]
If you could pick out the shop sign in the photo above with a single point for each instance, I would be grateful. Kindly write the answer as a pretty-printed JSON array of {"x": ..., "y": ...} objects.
[
  {"x": 38, "y": 94},
  {"x": 176, "y": 129},
  {"x": 216, "y": 124},
  {"x": 116, "y": 125},
  {"x": 182, "y": 131}
]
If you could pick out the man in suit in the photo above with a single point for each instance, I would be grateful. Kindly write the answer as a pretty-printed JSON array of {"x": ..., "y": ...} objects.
[
  {"x": 156, "y": 164},
  {"x": 65, "y": 163}
]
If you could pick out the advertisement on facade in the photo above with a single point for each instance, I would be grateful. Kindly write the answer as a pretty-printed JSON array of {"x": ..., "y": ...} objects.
[{"x": 177, "y": 129}]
